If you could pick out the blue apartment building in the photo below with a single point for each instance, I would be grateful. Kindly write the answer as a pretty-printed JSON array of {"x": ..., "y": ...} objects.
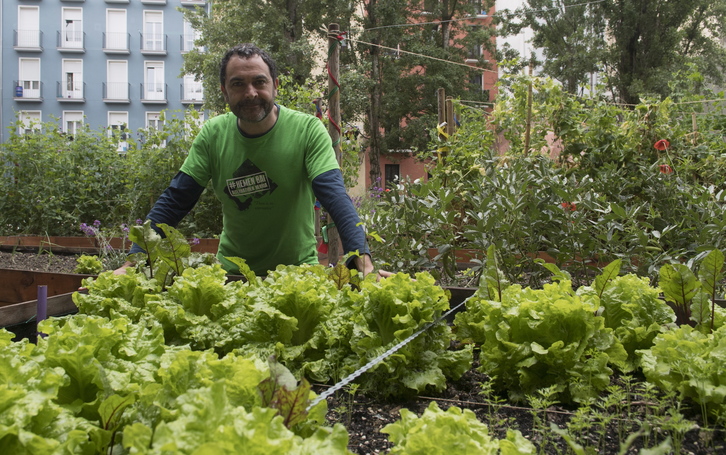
[{"x": 112, "y": 64}]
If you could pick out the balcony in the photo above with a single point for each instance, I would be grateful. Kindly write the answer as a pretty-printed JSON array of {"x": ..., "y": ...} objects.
[
  {"x": 153, "y": 44},
  {"x": 192, "y": 93},
  {"x": 71, "y": 41},
  {"x": 193, "y": 2},
  {"x": 153, "y": 93},
  {"x": 116, "y": 43},
  {"x": 116, "y": 92},
  {"x": 28, "y": 41},
  {"x": 71, "y": 92},
  {"x": 28, "y": 91}
]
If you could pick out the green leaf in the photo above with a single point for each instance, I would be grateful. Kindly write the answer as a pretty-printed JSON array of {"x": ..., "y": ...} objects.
[
  {"x": 610, "y": 272},
  {"x": 710, "y": 272}
]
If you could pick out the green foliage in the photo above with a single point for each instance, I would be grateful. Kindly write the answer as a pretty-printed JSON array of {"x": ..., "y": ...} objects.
[
  {"x": 452, "y": 431},
  {"x": 95, "y": 385},
  {"x": 689, "y": 362},
  {"x": 51, "y": 182},
  {"x": 550, "y": 337},
  {"x": 391, "y": 311},
  {"x": 91, "y": 265}
]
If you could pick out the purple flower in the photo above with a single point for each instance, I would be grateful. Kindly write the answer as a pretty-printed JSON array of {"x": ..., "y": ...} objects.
[
  {"x": 195, "y": 241},
  {"x": 96, "y": 223},
  {"x": 139, "y": 221}
]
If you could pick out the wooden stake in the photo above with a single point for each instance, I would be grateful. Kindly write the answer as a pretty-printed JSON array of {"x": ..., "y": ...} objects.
[{"x": 334, "y": 247}]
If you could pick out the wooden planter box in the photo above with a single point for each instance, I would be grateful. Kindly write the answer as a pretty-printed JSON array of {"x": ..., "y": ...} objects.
[{"x": 80, "y": 245}]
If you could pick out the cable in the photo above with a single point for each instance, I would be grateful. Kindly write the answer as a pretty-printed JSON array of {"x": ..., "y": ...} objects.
[{"x": 422, "y": 55}]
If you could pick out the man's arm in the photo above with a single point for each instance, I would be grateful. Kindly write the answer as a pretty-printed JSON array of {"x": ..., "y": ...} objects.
[
  {"x": 330, "y": 191},
  {"x": 174, "y": 204}
]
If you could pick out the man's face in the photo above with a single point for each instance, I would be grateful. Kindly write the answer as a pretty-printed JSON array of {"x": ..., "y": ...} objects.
[{"x": 249, "y": 89}]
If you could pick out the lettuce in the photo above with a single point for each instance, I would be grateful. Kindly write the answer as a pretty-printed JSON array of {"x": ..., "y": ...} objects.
[
  {"x": 546, "y": 338},
  {"x": 635, "y": 312},
  {"x": 391, "y": 310},
  {"x": 690, "y": 363},
  {"x": 452, "y": 431},
  {"x": 207, "y": 423},
  {"x": 300, "y": 315}
]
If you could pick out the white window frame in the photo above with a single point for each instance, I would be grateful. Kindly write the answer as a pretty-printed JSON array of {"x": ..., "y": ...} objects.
[
  {"x": 72, "y": 122},
  {"x": 28, "y": 34},
  {"x": 153, "y": 121},
  {"x": 153, "y": 31},
  {"x": 154, "y": 83},
  {"x": 118, "y": 121},
  {"x": 29, "y": 76},
  {"x": 189, "y": 37},
  {"x": 71, "y": 28},
  {"x": 120, "y": 92},
  {"x": 30, "y": 122},
  {"x": 116, "y": 40},
  {"x": 193, "y": 89},
  {"x": 72, "y": 81}
]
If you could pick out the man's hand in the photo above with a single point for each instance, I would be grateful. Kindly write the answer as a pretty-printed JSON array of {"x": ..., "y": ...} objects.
[
  {"x": 364, "y": 264},
  {"x": 122, "y": 270}
]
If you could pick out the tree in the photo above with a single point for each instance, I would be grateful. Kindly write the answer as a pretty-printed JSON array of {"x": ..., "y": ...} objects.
[
  {"x": 417, "y": 47},
  {"x": 638, "y": 44},
  {"x": 287, "y": 29},
  {"x": 571, "y": 35},
  {"x": 651, "y": 40}
]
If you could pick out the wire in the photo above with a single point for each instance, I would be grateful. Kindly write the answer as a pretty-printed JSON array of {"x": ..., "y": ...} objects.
[{"x": 422, "y": 55}]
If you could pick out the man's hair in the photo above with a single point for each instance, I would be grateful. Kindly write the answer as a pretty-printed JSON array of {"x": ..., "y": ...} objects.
[{"x": 246, "y": 50}]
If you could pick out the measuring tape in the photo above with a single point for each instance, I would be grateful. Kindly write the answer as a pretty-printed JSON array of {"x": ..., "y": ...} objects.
[{"x": 348, "y": 379}]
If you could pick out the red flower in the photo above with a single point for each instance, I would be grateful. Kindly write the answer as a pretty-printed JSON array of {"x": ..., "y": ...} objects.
[
  {"x": 569, "y": 206},
  {"x": 665, "y": 169},
  {"x": 662, "y": 145}
]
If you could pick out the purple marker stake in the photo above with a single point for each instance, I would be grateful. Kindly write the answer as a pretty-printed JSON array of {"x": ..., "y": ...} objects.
[{"x": 42, "y": 312}]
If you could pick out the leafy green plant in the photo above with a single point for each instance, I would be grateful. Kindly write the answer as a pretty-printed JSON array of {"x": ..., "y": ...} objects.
[
  {"x": 441, "y": 432},
  {"x": 687, "y": 362},
  {"x": 389, "y": 312},
  {"x": 91, "y": 265},
  {"x": 694, "y": 296}
]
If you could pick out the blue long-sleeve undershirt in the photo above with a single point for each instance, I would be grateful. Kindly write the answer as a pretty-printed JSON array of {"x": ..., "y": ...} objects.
[{"x": 183, "y": 193}]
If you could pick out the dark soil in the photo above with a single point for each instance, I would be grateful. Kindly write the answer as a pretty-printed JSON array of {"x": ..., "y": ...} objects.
[
  {"x": 38, "y": 262},
  {"x": 601, "y": 430}
]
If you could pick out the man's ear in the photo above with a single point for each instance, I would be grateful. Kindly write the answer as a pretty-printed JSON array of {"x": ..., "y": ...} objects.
[
  {"x": 277, "y": 84},
  {"x": 224, "y": 93}
]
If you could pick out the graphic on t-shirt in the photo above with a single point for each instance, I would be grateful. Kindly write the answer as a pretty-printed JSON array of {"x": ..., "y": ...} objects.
[{"x": 248, "y": 182}]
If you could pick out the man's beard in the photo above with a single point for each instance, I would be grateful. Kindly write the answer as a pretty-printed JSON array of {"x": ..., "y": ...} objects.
[{"x": 260, "y": 110}]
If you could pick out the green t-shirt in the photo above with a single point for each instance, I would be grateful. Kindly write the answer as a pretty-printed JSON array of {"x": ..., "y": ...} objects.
[{"x": 265, "y": 186}]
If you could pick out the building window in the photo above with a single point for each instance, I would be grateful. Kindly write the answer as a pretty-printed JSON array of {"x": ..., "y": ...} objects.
[
  {"x": 154, "y": 86},
  {"x": 153, "y": 35},
  {"x": 393, "y": 174},
  {"x": 71, "y": 28},
  {"x": 29, "y": 122},
  {"x": 117, "y": 80},
  {"x": 29, "y": 78},
  {"x": 28, "y": 34},
  {"x": 475, "y": 50},
  {"x": 72, "y": 122},
  {"x": 192, "y": 90},
  {"x": 189, "y": 37},
  {"x": 72, "y": 82},
  {"x": 116, "y": 37},
  {"x": 117, "y": 128},
  {"x": 479, "y": 8},
  {"x": 153, "y": 121}
]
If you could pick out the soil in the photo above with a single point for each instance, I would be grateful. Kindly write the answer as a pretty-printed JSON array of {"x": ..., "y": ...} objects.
[{"x": 604, "y": 431}]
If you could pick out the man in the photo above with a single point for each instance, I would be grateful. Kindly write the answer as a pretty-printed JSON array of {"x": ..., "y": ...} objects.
[{"x": 267, "y": 164}]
